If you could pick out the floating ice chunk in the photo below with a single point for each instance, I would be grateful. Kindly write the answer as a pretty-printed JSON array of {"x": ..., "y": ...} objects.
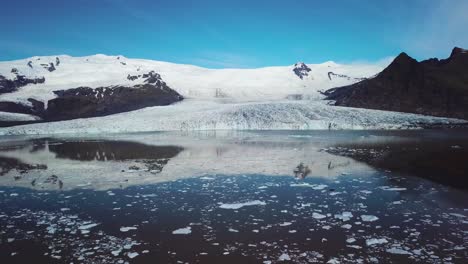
[
  {"x": 398, "y": 251},
  {"x": 375, "y": 241},
  {"x": 369, "y": 218},
  {"x": 132, "y": 254},
  {"x": 350, "y": 240},
  {"x": 333, "y": 261},
  {"x": 318, "y": 216},
  {"x": 345, "y": 216},
  {"x": 127, "y": 228},
  {"x": 233, "y": 230},
  {"x": 387, "y": 188},
  {"x": 284, "y": 257},
  {"x": 240, "y": 205},
  {"x": 347, "y": 226},
  {"x": 207, "y": 178},
  {"x": 182, "y": 231},
  {"x": 86, "y": 227},
  {"x": 327, "y": 227},
  {"x": 116, "y": 252},
  {"x": 285, "y": 224},
  {"x": 457, "y": 215},
  {"x": 354, "y": 246},
  {"x": 313, "y": 186}
]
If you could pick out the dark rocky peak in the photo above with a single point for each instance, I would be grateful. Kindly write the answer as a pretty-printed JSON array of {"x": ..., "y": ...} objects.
[
  {"x": 51, "y": 67},
  {"x": 301, "y": 70},
  {"x": 14, "y": 70},
  {"x": 457, "y": 51},
  {"x": 402, "y": 64},
  {"x": 403, "y": 58},
  {"x": 152, "y": 77},
  {"x": 48, "y": 66},
  {"x": 57, "y": 61},
  {"x": 30, "y": 64}
]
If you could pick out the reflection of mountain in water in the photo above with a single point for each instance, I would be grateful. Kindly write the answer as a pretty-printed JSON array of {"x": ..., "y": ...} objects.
[
  {"x": 80, "y": 163},
  {"x": 9, "y": 164},
  {"x": 111, "y": 150},
  {"x": 439, "y": 159},
  {"x": 103, "y": 163}
]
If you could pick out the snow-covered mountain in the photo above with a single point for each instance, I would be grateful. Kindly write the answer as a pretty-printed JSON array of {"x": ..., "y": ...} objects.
[
  {"x": 283, "y": 97},
  {"x": 64, "y": 72}
]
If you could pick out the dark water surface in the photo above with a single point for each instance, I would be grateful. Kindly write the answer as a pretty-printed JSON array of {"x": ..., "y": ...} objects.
[{"x": 244, "y": 197}]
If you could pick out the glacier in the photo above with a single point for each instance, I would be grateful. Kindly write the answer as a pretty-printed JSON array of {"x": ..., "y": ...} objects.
[{"x": 270, "y": 98}]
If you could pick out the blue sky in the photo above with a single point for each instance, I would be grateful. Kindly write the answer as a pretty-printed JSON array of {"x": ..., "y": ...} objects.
[{"x": 217, "y": 34}]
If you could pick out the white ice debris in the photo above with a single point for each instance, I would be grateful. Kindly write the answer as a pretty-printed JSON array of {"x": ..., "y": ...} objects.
[
  {"x": 182, "y": 231},
  {"x": 284, "y": 257},
  {"x": 344, "y": 216},
  {"x": 369, "y": 218},
  {"x": 240, "y": 205},
  {"x": 388, "y": 188},
  {"x": 318, "y": 216},
  {"x": 313, "y": 186},
  {"x": 87, "y": 226},
  {"x": 333, "y": 261},
  {"x": 132, "y": 254},
  {"x": 127, "y": 228},
  {"x": 398, "y": 251},
  {"x": 375, "y": 241}
]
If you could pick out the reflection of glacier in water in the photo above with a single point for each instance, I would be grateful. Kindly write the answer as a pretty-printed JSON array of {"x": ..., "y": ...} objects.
[
  {"x": 105, "y": 163},
  {"x": 263, "y": 197}
]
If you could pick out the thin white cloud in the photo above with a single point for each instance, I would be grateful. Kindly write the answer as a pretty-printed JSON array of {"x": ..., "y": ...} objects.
[
  {"x": 223, "y": 60},
  {"x": 442, "y": 28}
]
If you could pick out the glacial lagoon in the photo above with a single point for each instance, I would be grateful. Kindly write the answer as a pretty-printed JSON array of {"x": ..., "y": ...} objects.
[{"x": 235, "y": 197}]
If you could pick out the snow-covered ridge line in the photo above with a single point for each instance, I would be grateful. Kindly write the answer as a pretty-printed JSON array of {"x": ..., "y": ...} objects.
[{"x": 65, "y": 72}]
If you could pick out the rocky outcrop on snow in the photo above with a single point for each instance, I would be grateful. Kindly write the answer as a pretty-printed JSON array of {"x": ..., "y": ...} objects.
[
  {"x": 301, "y": 70},
  {"x": 84, "y": 102},
  {"x": 431, "y": 87},
  {"x": 8, "y": 86}
]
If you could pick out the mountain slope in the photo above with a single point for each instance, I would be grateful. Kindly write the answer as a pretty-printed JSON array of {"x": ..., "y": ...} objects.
[{"x": 431, "y": 87}]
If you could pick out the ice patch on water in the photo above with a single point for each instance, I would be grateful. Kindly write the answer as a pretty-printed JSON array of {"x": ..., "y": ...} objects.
[
  {"x": 313, "y": 186},
  {"x": 345, "y": 216},
  {"x": 127, "y": 228},
  {"x": 398, "y": 251},
  {"x": 182, "y": 231},
  {"x": 369, "y": 218},
  {"x": 376, "y": 241},
  {"x": 318, "y": 216},
  {"x": 388, "y": 188},
  {"x": 240, "y": 205},
  {"x": 88, "y": 226},
  {"x": 284, "y": 257}
]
